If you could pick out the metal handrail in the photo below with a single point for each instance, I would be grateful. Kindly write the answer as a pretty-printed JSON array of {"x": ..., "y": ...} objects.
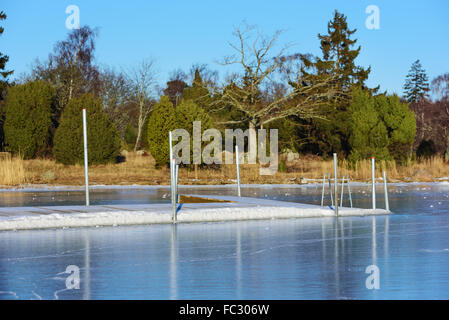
[
  {"x": 330, "y": 189},
  {"x": 342, "y": 189}
]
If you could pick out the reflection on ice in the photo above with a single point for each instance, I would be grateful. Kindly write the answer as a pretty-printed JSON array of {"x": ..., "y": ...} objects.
[{"x": 312, "y": 258}]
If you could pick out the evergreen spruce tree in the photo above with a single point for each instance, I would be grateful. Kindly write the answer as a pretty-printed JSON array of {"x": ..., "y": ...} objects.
[
  {"x": 28, "y": 123},
  {"x": 325, "y": 136},
  {"x": 416, "y": 85},
  {"x": 198, "y": 93},
  {"x": 339, "y": 54},
  {"x": 102, "y": 137},
  {"x": 160, "y": 123}
]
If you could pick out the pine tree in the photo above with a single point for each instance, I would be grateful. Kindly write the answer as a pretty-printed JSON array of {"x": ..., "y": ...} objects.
[
  {"x": 161, "y": 122},
  {"x": 28, "y": 123},
  {"x": 325, "y": 136},
  {"x": 339, "y": 55},
  {"x": 102, "y": 137},
  {"x": 416, "y": 85}
]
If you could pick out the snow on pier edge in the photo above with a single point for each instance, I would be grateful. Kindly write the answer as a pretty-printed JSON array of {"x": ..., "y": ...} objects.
[{"x": 22, "y": 218}]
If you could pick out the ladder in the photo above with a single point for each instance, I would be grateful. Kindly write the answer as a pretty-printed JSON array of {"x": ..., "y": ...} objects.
[{"x": 345, "y": 178}]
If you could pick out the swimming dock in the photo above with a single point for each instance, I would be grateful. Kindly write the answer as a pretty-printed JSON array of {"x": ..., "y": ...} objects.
[{"x": 228, "y": 208}]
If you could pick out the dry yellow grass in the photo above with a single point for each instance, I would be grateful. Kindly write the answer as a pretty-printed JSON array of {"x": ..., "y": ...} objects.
[
  {"x": 141, "y": 170},
  {"x": 12, "y": 171}
]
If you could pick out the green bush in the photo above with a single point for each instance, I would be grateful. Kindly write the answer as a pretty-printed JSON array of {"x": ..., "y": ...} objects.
[
  {"x": 186, "y": 113},
  {"x": 382, "y": 126},
  {"x": 369, "y": 136},
  {"x": 400, "y": 123},
  {"x": 28, "y": 123},
  {"x": 102, "y": 137},
  {"x": 161, "y": 122}
]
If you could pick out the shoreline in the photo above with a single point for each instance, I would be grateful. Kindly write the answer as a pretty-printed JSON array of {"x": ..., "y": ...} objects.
[{"x": 47, "y": 187}]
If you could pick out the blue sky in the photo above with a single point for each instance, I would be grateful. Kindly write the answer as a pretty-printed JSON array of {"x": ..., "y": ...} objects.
[{"x": 179, "y": 33}]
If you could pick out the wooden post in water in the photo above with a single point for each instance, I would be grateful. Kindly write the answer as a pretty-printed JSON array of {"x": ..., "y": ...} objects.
[
  {"x": 335, "y": 185},
  {"x": 373, "y": 180},
  {"x": 86, "y": 162}
]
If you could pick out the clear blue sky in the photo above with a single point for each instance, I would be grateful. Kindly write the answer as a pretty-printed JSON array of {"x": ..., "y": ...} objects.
[{"x": 178, "y": 33}]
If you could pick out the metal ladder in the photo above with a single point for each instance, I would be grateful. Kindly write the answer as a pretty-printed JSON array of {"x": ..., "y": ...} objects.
[
  {"x": 345, "y": 177},
  {"x": 330, "y": 189},
  {"x": 342, "y": 188}
]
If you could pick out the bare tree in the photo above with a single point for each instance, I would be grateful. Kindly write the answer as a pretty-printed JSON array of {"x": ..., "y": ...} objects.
[
  {"x": 260, "y": 68},
  {"x": 142, "y": 78},
  {"x": 115, "y": 93},
  {"x": 440, "y": 86},
  {"x": 70, "y": 68}
]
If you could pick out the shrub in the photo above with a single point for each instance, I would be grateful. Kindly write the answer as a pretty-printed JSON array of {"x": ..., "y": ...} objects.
[
  {"x": 426, "y": 149},
  {"x": 186, "y": 113},
  {"x": 369, "y": 136},
  {"x": 28, "y": 123},
  {"x": 102, "y": 137},
  {"x": 161, "y": 122},
  {"x": 400, "y": 123}
]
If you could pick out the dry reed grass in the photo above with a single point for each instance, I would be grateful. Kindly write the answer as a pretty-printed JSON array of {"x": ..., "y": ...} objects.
[
  {"x": 141, "y": 170},
  {"x": 12, "y": 171}
]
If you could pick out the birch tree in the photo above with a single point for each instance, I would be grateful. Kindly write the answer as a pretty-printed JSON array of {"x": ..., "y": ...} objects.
[{"x": 142, "y": 78}]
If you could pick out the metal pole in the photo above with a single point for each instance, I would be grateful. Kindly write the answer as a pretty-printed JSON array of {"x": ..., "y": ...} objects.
[
  {"x": 342, "y": 190},
  {"x": 86, "y": 162},
  {"x": 373, "y": 180},
  {"x": 176, "y": 181},
  {"x": 330, "y": 188},
  {"x": 387, "y": 204},
  {"x": 322, "y": 191},
  {"x": 172, "y": 177},
  {"x": 349, "y": 191},
  {"x": 238, "y": 169},
  {"x": 170, "y": 143},
  {"x": 173, "y": 187},
  {"x": 335, "y": 185}
]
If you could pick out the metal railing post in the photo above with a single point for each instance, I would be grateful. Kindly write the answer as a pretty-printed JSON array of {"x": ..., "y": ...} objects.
[
  {"x": 86, "y": 162},
  {"x": 238, "y": 170},
  {"x": 335, "y": 185},
  {"x": 387, "y": 204},
  {"x": 373, "y": 180}
]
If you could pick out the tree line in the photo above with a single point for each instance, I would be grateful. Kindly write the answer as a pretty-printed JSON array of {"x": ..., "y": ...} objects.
[{"x": 320, "y": 104}]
